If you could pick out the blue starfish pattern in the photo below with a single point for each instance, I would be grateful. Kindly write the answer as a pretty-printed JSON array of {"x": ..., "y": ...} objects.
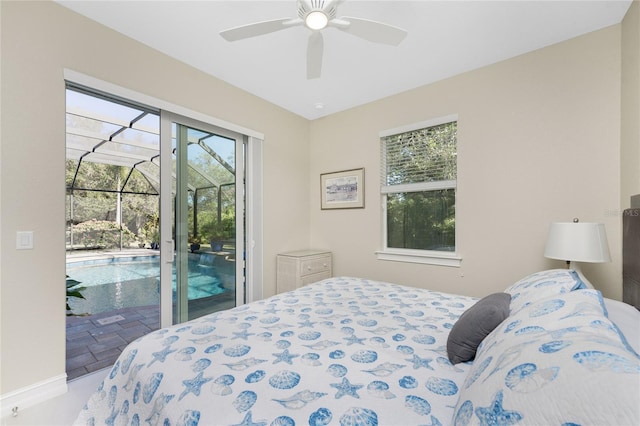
[
  {"x": 353, "y": 340},
  {"x": 193, "y": 386},
  {"x": 495, "y": 414},
  {"x": 306, "y": 323},
  {"x": 284, "y": 357},
  {"x": 213, "y": 320},
  {"x": 346, "y": 388},
  {"x": 408, "y": 327},
  {"x": 420, "y": 362},
  {"x": 248, "y": 421},
  {"x": 241, "y": 335},
  {"x": 271, "y": 310},
  {"x": 161, "y": 355}
]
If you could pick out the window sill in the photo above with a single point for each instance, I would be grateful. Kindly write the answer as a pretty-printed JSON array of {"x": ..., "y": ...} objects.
[{"x": 439, "y": 258}]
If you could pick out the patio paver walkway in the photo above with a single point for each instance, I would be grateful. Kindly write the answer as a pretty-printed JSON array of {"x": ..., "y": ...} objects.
[{"x": 94, "y": 342}]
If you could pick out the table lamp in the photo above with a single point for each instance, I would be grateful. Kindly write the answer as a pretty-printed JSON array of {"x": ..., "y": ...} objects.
[{"x": 578, "y": 242}]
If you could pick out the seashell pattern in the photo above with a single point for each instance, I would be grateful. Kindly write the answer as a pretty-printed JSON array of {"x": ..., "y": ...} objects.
[
  {"x": 236, "y": 350},
  {"x": 184, "y": 354},
  {"x": 424, "y": 339},
  {"x": 312, "y": 359},
  {"x": 338, "y": 354},
  {"x": 200, "y": 365},
  {"x": 554, "y": 346},
  {"x": 244, "y": 401},
  {"x": 300, "y": 399},
  {"x": 442, "y": 386},
  {"x": 255, "y": 377},
  {"x": 526, "y": 378},
  {"x": 320, "y": 417},
  {"x": 404, "y": 349},
  {"x": 202, "y": 329},
  {"x": 285, "y": 360},
  {"x": 284, "y": 379},
  {"x": 408, "y": 382},
  {"x": 283, "y": 421},
  {"x": 359, "y": 416},
  {"x": 546, "y": 307},
  {"x": 213, "y": 348},
  {"x": 365, "y": 356},
  {"x": 337, "y": 370},
  {"x": 380, "y": 389},
  {"x": 384, "y": 369},
  {"x": 309, "y": 335},
  {"x": 605, "y": 361},
  {"x": 417, "y": 404}
]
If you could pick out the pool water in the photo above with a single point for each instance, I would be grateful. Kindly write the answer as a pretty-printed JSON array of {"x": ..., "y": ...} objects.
[{"x": 118, "y": 283}]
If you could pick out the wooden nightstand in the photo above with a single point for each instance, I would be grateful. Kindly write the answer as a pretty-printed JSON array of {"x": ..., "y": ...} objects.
[{"x": 298, "y": 268}]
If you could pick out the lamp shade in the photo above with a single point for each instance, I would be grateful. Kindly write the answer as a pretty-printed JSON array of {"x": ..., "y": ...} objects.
[{"x": 578, "y": 242}]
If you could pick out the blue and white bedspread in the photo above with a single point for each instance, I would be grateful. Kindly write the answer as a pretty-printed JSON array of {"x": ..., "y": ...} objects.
[{"x": 342, "y": 351}]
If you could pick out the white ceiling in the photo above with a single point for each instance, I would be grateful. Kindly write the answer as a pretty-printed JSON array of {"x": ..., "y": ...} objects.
[{"x": 445, "y": 38}]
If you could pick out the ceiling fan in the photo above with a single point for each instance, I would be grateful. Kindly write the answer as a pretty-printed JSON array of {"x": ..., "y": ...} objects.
[{"x": 317, "y": 15}]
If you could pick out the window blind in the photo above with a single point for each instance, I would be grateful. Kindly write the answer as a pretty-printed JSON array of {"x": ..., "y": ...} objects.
[{"x": 419, "y": 156}]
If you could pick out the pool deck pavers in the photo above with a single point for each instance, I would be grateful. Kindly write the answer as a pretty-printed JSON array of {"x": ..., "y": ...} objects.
[
  {"x": 94, "y": 342},
  {"x": 92, "y": 346}
]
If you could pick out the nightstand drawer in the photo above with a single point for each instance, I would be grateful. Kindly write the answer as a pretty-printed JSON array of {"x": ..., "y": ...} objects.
[
  {"x": 310, "y": 279},
  {"x": 314, "y": 266},
  {"x": 298, "y": 268}
]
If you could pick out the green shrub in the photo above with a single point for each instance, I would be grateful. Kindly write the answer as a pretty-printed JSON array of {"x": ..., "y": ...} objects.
[{"x": 102, "y": 234}]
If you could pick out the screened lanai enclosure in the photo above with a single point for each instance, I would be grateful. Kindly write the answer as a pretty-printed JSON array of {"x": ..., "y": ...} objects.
[
  {"x": 113, "y": 177},
  {"x": 115, "y": 250}
]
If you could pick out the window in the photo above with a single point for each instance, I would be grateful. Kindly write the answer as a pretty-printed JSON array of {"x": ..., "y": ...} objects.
[{"x": 418, "y": 189}]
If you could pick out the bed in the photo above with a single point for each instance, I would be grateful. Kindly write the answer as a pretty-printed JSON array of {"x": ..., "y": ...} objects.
[{"x": 352, "y": 351}]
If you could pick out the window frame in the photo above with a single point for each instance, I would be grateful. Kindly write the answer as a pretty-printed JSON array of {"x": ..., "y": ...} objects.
[{"x": 430, "y": 257}]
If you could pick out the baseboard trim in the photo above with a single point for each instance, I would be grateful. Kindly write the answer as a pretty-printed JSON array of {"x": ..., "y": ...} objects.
[{"x": 32, "y": 395}]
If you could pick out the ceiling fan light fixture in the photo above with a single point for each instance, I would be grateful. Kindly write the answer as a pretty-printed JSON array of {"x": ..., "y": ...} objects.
[{"x": 316, "y": 20}]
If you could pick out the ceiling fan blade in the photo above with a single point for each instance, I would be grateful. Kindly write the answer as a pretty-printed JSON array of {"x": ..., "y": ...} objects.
[
  {"x": 315, "y": 50},
  {"x": 258, "y": 28},
  {"x": 376, "y": 32}
]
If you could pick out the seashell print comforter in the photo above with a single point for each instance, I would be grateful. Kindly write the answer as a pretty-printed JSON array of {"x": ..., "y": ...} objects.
[
  {"x": 342, "y": 351},
  {"x": 350, "y": 351}
]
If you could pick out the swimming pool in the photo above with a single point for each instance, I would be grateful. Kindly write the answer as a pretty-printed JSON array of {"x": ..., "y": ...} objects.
[{"x": 116, "y": 283}]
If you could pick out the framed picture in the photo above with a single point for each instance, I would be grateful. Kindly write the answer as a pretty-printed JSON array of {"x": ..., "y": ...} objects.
[{"x": 342, "y": 190}]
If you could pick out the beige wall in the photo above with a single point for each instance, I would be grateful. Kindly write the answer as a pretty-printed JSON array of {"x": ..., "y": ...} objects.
[
  {"x": 538, "y": 142},
  {"x": 630, "y": 140},
  {"x": 39, "y": 40}
]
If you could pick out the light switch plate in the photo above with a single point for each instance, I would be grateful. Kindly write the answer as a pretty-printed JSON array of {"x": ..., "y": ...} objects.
[{"x": 24, "y": 240}]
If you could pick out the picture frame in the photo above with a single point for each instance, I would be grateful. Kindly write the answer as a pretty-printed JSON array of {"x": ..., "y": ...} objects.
[{"x": 342, "y": 190}]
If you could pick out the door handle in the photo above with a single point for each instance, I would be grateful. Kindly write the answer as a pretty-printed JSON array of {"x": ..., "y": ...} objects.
[{"x": 167, "y": 253}]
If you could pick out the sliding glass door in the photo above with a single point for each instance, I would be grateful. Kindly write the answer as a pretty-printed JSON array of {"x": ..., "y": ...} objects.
[
  {"x": 156, "y": 215},
  {"x": 201, "y": 220}
]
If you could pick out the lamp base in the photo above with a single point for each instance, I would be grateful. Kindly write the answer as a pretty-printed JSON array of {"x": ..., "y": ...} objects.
[{"x": 576, "y": 267}]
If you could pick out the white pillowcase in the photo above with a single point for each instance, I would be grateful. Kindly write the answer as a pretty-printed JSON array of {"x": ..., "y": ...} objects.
[
  {"x": 541, "y": 285},
  {"x": 558, "y": 360}
]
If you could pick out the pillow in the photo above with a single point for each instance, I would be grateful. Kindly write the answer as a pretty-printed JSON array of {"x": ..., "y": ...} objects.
[
  {"x": 557, "y": 361},
  {"x": 541, "y": 285},
  {"x": 475, "y": 324}
]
